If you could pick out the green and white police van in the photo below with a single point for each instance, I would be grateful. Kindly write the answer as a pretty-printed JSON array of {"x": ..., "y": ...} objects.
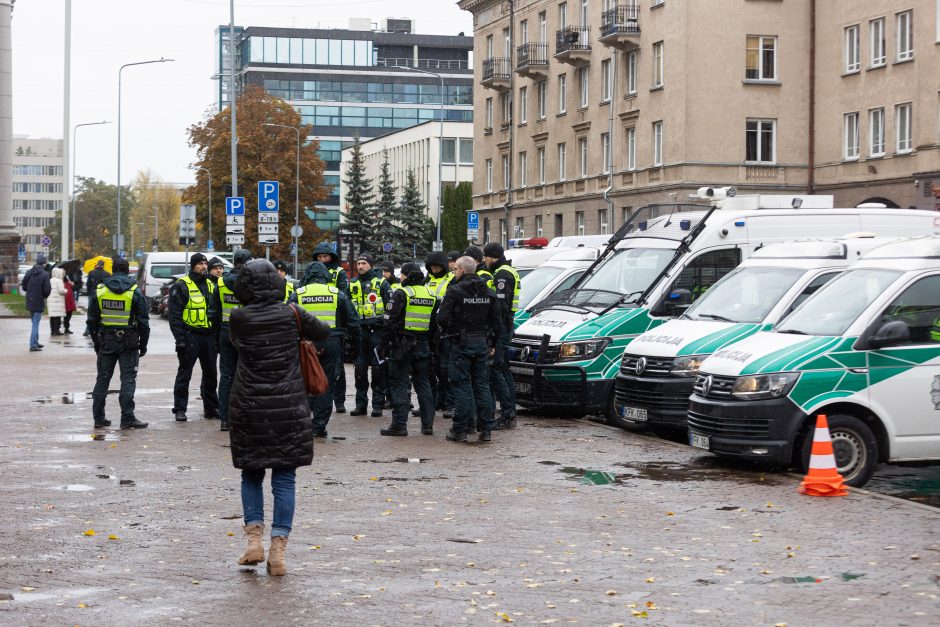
[
  {"x": 565, "y": 357},
  {"x": 864, "y": 350},
  {"x": 659, "y": 367}
]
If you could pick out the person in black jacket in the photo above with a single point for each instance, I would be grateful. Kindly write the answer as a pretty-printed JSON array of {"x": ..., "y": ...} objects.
[
  {"x": 506, "y": 284},
  {"x": 194, "y": 320},
  {"x": 37, "y": 287},
  {"x": 119, "y": 323},
  {"x": 470, "y": 318},
  {"x": 95, "y": 277},
  {"x": 269, "y": 415}
]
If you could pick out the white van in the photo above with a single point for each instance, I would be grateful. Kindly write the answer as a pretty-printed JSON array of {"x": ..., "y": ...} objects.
[
  {"x": 864, "y": 350},
  {"x": 534, "y": 251},
  {"x": 157, "y": 268},
  {"x": 659, "y": 367},
  {"x": 559, "y": 273}
]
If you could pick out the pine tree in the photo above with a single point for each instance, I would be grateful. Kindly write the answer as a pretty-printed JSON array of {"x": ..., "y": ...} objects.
[
  {"x": 358, "y": 216},
  {"x": 385, "y": 214},
  {"x": 457, "y": 202},
  {"x": 417, "y": 229}
]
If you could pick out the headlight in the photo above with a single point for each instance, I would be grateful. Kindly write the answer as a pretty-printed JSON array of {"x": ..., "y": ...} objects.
[
  {"x": 587, "y": 349},
  {"x": 687, "y": 366},
  {"x": 764, "y": 386}
]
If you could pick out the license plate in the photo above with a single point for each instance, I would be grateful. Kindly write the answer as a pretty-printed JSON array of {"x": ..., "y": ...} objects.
[
  {"x": 523, "y": 388},
  {"x": 526, "y": 372},
  {"x": 698, "y": 441},
  {"x": 635, "y": 414}
]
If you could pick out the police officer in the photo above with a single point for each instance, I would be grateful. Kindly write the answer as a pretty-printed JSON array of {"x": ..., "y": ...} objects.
[
  {"x": 194, "y": 319},
  {"x": 409, "y": 317},
  {"x": 228, "y": 355},
  {"x": 482, "y": 271},
  {"x": 338, "y": 279},
  {"x": 332, "y": 307},
  {"x": 452, "y": 258},
  {"x": 216, "y": 269},
  {"x": 507, "y": 285},
  {"x": 289, "y": 287},
  {"x": 470, "y": 318},
  {"x": 370, "y": 294},
  {"x": 119, "y": 325},
  {"x": 438, "y": 279},
  {"x": 388, "y": 273}
]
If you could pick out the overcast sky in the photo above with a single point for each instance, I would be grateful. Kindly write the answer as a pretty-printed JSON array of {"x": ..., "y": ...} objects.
[{"x": 160, "y": 100}]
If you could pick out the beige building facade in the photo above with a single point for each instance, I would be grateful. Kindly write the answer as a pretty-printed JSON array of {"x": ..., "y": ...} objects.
[
  {"x": 650, "y": 100},
  {"x": 38, "y": 165}
]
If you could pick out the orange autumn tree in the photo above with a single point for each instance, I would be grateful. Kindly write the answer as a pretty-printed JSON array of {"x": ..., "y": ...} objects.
[{"x": 265, "y": 153}]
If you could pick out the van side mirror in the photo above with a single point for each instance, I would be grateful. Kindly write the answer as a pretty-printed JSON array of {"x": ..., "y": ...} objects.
[
  {"x": 891, "y": 333},
  {"x": 677, "y": 301}
]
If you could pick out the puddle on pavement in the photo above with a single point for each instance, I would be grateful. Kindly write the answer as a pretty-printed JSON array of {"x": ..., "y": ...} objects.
[
  {"x": 397, "y": 460},
  {"x": 91, "y": 437},
  {"x": 918, "y": 483},
  {"x": 702, "y": 469},
  {"x": 591, "y": 477},
  {"x": 77, "y": 487},
  {"x": 813, "y": 579},
  {"x": 70, "y": 398}
]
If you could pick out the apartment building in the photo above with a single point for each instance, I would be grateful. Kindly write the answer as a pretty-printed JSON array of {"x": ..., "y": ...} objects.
[
  {"x": 655, "y": 98},
  {"x": 38, "y": 177}
]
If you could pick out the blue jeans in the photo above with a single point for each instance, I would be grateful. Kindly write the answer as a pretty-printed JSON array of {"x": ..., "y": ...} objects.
[
  {"x": 34, "y": 334},
  {"x": 282, "y": 486},
  {"x": 469, "y": 382}
]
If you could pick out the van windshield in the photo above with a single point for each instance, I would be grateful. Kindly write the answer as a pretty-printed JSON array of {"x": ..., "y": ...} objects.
[
  {"x": 745, "y": 295},
  {"x": 536, "y": 281},
  {"x": 629, "y": 270},
  {"x": 836, "y": 306},
  {"x": 166, "y": 271}
]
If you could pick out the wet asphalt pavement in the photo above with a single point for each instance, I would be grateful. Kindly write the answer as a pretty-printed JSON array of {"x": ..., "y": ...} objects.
[{"x": 559, "y": 521}]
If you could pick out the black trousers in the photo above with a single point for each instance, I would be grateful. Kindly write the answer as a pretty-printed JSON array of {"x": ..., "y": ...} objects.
[
  {"x": 371, "y": 338},
  {"x": 228, "y": 362},
  {"x": 199, "y": 347},
  {"x": 128, "y": 360}
]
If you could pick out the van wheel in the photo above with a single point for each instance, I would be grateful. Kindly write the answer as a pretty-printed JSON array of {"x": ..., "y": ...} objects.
[
  {"x": 614, "y": 419},
  {"x": 854, "y": 446}
]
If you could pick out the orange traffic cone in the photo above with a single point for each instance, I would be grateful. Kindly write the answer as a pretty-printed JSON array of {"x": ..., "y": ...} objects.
[{"x": 822, "y": 479}]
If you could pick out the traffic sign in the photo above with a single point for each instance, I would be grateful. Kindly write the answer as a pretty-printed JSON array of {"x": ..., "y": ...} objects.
[
  {"x": 234, "y": 220},
  {"x": 210, "y": 245},
  {"x": 234, "y": 239},
  {"x": 473, "y": 220},
  {"x": 268, "y": 196},
  {"x": 296, "y": 231},
  {"x": 268, "y": 229},
  {"x": 267, "y": 239},
  {"x": 472, "y": 234},
  {"x": 46, "y": 241},
  {"x": 270, "y": 218},
  {"x": 235, "y": 206},
  {"x": 387, "y": 247}
]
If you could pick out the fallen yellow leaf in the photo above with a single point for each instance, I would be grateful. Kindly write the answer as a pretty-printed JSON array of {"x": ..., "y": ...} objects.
[
  {"x": 651, "y": 605},
  {"x": 650, "y": 579},
  {"x": 314, "y": 547},
  {"x": 611, "y": 593},
  {"x": 387, "y": 512},
  {"x": 230, "y": 534},
  {"x": 670, "y": 513},
  {"x": 639, "y": 614},
  {"x": 373, "y": 478},
  {"x": 503, "y": 616},
  {"x": 27, "y": 588},
  {"x": 90, "y": 532},
  {"x": 195, "y": 582},
  {"x": 81, "y": 606},
  {"x": 111, "y": 536}
]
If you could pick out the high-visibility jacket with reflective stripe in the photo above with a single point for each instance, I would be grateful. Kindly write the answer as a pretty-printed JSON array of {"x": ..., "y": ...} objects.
[
  {"x": 196, "y": 312},
  {"x": 115, "y": 308},
  {"x": 321, "y": 300},
  {"x": 334, "y": 275},
  {"x": 935, "y": 331},
  {"x": 516, "y": 287},
  {"x": 487, "y": 277},
  {"x": 438, "y": 286},
  {"x": 229, "y": 302},
  {"x": 369, "y": 304},
  {"x": 288, "y": 290},
  {"x": 418, "y": 308}
]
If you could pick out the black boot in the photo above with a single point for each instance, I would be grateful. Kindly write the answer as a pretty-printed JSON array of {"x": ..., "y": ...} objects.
[
  {"x": 455, "y": 437},
  {"x": 359, "y": 411},
  {"x": 390, "y": 430},
  {"x": 133, "y": 423},
  {"x": 101, "y": 423},
  {"x": 223, "y": 425}
]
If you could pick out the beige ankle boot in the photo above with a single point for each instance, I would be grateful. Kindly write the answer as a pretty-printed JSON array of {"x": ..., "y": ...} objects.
[
  {"x": 276, "y": 565},
  {"x": 254, "y": 553}
]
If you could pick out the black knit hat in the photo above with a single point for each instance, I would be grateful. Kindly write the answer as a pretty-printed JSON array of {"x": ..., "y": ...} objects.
[
  {"x": 411, "y": 268},
  {"x": 120, "y": 265},
  {"x": 280, "y": 265},
  {"x": 476, "y": 253},
  {"x": 196, "y": 259},
  {"x": 494, "y": 250},
  {"x": 388, "y": 265},
  {"x": 215, "y": 262},
  {"x": 453, "y": 255},
  {"x": 241, "y": 257},
  {"x": 368, "y": 258}
]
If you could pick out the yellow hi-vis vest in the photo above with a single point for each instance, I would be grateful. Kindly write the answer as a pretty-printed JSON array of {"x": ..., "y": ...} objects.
[
  {"x": 516, "y": 287},
  {"x": 229, "y": 302},
  {"x": 321, "y": 300},
  {"x": 487, "y": 277},
  {"x": 438, "y": 286},
  {"x": 334, "y": 275},
  {"x": 935, "y": 331},
  {"x": 369, "y": 304},
  {"x": 115, "y": 308},
  {"x": 288, "y": 290},
  {"x": 196, "y": 312},
  {"x": 418, "y": 308}
]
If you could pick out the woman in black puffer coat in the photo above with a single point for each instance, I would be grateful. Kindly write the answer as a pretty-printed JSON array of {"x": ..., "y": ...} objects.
[{"x": 269, "y": 416}]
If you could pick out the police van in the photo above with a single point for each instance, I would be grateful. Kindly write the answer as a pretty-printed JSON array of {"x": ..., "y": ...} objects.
[
  {"x": 659, "y": 367},
  {"x": 566, "y": 356},
  {"x": 557, "y": 274},
  {"x": 864, "y": 350}
]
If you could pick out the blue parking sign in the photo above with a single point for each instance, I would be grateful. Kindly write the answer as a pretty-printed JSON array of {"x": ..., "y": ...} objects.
[
  {"x": 268, "y": 196},
  {"x": 234, "y": 206},
  {"x": 473, "y": 220}
]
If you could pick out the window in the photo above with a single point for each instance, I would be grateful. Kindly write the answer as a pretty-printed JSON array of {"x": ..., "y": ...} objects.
[
  {"x": 523, "y": 169},
  {"x": 850, "y": 135},
  {"x": 562, "y": 159},
  {"x": 876, "y": 131},
  {"x": 705, "y": 270},
  {"x": 584, "y": 12},
  {"x": 519, "y": 229},
  {"x": 489, "y": 113},
  {"x": 523, "y": 105},
  {"x": 631, "y": 149},
  {"x": 563, "y": 15},
  {"x": 540, "y": 157},
  {"x": 903, "y": 128},
  {"x": 486, "y": 230},
  {"x": 605, "y": 148},
  {"x": 489, "y": 175},
  {"x": 632, "y": 57},
  {"x": 562, "y": 93},
  {"x": 583, "y": 157},
  {"x": 543, "y": 28},
  {"x": 507, "y": 173},
  {"x": 658, "y": 143},
  {"x": 876, "y": 40},
  {"x": 489, "y": 46},
  {"x": 502, "y": 232},
  {"x": 524, "y": 32},
  {"x": 541, "y": 89},
  {"x": 851, "y": 52},
  {"x": 559, "y": 224},
  {"x": 919, "y": 308},
  {"x": 605, "y": 80},
  {"x": 602, "y": 222},
  {"x": 507, "y": 43},
  {"x": 579, "y": 222},
  {"x": 811, "y": 288},
  {"x": 761, "y": 58},
  {"x": 760, "y": 141},
  {"x": 466, "y": 151},
  {"x": 538, "y": 226},
  {"x": 905, "y": 36},
  {"x": 449, "y": 151},
  {"x": 658, "y": 64},
  {"x": 583, "y": 87},
  {"x": 506, "y": 106}
]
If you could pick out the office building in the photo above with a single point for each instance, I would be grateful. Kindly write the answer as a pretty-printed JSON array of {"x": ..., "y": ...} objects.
[{"x": 38, "y": 166}]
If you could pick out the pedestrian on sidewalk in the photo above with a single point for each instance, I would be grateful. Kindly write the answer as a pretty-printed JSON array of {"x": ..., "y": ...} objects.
[
  {"x": 269, "y": 416},
  {"x": 95, "y": 277},
  {"x": 36, "y": 287},
  {"x": 56, "y": 302},
  {"x": 70, "y": 306}
]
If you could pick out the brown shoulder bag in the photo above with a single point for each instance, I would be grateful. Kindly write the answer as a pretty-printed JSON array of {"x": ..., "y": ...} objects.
[{"x": 315, "y": 380}]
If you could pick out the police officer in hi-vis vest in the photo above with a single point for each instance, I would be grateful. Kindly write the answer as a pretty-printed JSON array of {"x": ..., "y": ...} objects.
[
  {"x": 507, "y": 285},
  {"x": 409, "y": 317},
  {"x": 228, "y": 356},
  {"x": 370, "y": 293},
  {"x": 119, "y": 325},
  {"x": 194, "y": 321},
  {"x": 437, "y": 281},
  {"x": 332, "y": 307},
  {"x": 281, "y": 267},
  {"x": 338, "y": 279}
]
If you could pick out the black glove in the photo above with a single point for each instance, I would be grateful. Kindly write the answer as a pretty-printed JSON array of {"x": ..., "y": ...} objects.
[
  {"x": 143, "y": 351},
  {"x": 180, "y": 346}
]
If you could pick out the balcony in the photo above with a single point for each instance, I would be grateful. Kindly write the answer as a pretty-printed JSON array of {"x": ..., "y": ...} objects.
[
  {"x": 573, "y": 45},
  {"x": 620, "y": 28},
  {"x": 496, "y": 73},
  {"x": 532, "y": 60}
]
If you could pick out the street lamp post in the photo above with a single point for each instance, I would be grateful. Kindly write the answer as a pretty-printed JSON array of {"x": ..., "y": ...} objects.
[
  {"x": 209, "y": 174},
  {"x": 74, "y": 162},
  {"x": 160, "y": 60},
  {"x": 438, "y": 244},
  {"x": 296, "y": 195},
  {"x": 156, "y": 228}
]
